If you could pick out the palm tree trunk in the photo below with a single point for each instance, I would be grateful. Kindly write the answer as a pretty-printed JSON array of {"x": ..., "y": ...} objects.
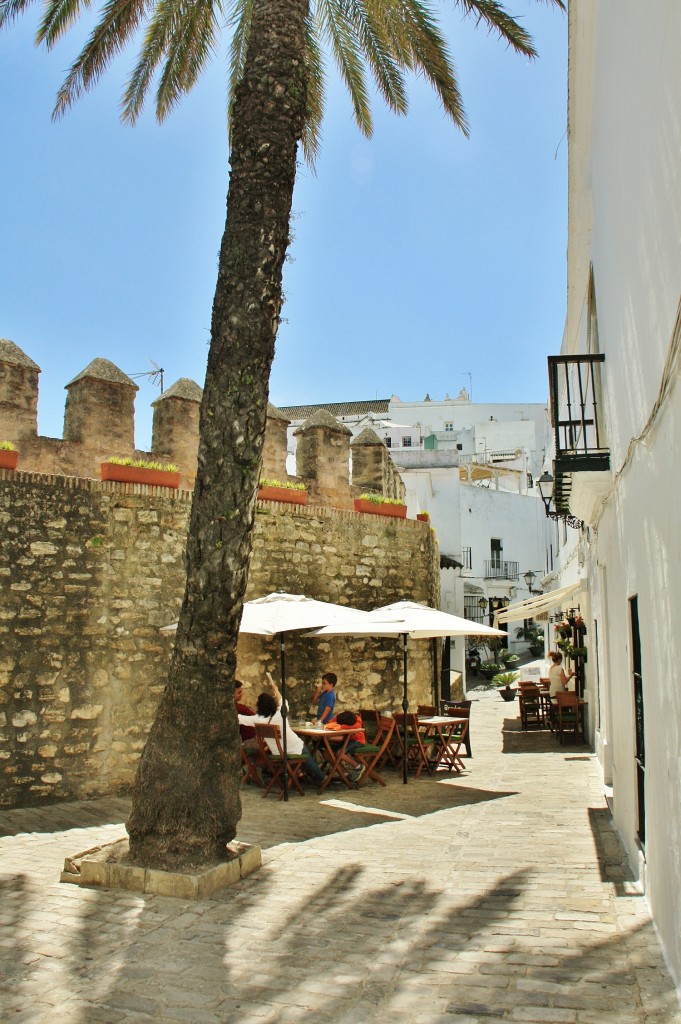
[{"x": 186, "y": 803}]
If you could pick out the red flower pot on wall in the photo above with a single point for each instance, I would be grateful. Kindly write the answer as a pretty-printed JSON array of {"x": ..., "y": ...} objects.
[
  {"x": 376, "y": 508},
  {"x": 8, "y": 458},
  {"x": 290, "y": 495},
  {"x": 140, "y": 475}
]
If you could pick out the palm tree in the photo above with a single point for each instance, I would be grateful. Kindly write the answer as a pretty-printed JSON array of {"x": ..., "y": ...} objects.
[{"x": 186, "y": 796}]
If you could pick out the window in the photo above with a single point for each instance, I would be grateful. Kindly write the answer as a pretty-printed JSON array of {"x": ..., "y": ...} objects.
[
  {"x": 406, "y": 441},
  {"x": 496, "y": 551},
  {"x": 388, "y": 442},
  {"x": 449, "y": 427}
]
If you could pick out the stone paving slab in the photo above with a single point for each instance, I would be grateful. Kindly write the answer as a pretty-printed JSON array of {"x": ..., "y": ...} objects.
[{"x": 498, "y": 895}]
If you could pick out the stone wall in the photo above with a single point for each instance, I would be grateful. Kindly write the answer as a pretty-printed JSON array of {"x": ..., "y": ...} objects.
[{"x": 90, "y": 571}]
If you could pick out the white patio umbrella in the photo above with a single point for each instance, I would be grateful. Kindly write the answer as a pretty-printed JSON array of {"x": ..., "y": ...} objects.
[
  {"x": 278, "y": 614},
  {"x": 407, "y": 619}
]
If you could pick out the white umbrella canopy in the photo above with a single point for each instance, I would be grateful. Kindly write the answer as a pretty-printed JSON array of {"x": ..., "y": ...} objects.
[
  {"x": 282, "y": 613},
  {"x": 406, "y": 619},
  {"x": 422, "y": 622}
]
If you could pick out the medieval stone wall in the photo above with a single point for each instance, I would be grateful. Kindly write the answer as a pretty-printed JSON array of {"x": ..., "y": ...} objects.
[{"x": 89, "y": 571}]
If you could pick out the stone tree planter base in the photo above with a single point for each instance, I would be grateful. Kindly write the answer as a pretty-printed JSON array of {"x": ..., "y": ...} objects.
[
  {"x": 139, "y": 475},
  {"x": 107, "y": 866},
  {"x": 374, "y": 508},
  {"x": 8, "y": 458}
]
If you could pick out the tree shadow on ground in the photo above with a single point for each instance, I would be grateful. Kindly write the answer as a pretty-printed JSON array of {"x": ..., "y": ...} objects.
[{"x": 258, "y": 954}]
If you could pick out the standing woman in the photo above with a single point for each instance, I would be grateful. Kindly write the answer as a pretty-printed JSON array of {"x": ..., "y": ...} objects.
[{"x": 557, "y": 677}]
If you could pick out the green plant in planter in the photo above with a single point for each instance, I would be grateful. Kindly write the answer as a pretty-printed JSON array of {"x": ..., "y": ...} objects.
[
  {"x": 511, "y": 660},
  {"x": 289, "y": 485},
  {"x": 505, "y": 678},
  {"x": 165, "y": 467},
  {"x": 490, "y": 668},
  {"x": 7, "y": 446},
  {"x": 380, "y": 499}
]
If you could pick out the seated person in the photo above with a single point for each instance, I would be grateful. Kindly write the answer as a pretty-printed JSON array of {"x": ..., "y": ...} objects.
[
  {"x": 325, "y": 695},
  {"x": 247, "y": 731},
  {"x": 557, "y": 678},
  {"x": 268, "y": 712},
  {"x": 350, "y": 720}
]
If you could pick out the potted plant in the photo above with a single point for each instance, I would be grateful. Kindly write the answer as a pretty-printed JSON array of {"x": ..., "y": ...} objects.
[
  {"x": 504, "y": 681},
  {"x": 9, "y": 456},
  {"x": 379, "y": 505},
  {"x": 423, "y": 517},
  {"x": 288, "y": 491},
  {"x": 490, "y": 669},
  {"x": 534, "y": 636},
  {"x": 510, "y": 660},
  {"x": 141, "y": 471}
]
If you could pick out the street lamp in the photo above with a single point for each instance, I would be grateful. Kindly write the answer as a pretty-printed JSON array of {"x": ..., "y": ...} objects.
[
  {"x": 529, "y": 578},
  {"x": 545, "y": 485}
]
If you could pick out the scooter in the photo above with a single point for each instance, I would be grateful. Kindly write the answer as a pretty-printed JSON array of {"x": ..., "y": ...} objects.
[{"x": 473, "y": 661}]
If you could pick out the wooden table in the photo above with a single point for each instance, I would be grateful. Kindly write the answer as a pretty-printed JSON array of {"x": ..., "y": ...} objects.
[
  {"x": 333, "y": 744},
  {"x": 442, "y": 728}
]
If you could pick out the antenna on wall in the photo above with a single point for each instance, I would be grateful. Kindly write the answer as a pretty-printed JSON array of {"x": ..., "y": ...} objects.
[{"x": 155, "y": 374}]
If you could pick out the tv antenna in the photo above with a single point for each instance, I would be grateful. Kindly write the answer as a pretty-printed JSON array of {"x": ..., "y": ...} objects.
[{"x": 154, "y": 375}]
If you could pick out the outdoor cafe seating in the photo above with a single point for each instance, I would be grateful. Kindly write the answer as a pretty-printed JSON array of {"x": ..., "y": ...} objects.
[
  {"x": 295, "y": 763},
  {"x": 374, "y": 755},
  {"x": 419, "y": 743}
]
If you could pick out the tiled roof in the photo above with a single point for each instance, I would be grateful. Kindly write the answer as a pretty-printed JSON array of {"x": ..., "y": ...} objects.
[{"x": 303, "y": 412}]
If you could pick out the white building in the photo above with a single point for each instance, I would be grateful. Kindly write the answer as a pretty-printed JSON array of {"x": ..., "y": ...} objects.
[
  {"x": 617, "y": 403},
  {"x": 471, "y": 467}
]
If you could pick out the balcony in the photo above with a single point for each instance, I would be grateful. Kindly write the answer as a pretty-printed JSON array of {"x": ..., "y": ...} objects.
[
  {"x": 581, "y": 468},
  {"x": 497, "y": 570}
]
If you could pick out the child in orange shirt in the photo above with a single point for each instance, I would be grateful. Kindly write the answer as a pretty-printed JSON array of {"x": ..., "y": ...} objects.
[{"x": 350, "y": 720}]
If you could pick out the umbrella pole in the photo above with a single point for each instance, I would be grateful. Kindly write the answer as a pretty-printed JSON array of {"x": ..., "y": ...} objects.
[
  {"x": 435, "y": 643},
  {"x": 284, "y": 708},
  {"x": 405, "y": 706}
]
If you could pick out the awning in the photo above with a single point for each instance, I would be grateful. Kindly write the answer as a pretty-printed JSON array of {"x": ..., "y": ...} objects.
[{"x": 528, "y": 609}]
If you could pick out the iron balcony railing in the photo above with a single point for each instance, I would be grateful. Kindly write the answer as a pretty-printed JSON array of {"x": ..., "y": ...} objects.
[
  {"x": 499, "y": 570},
  {"x": 580, "y": 446}
]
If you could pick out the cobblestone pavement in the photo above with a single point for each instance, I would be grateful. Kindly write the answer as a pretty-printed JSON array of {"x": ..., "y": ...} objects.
[{"x": 500, "y": 895}]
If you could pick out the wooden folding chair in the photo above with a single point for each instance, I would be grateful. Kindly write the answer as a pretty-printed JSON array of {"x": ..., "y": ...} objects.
[
  {"x": 426, "y": 710},
  {"x": 566, "y": 717},
  {"x": 451, "y": 758},
  {"x": 460, "y": 709},
  {"x": 275, "y": 762},
  {"x": 251, "y": 759},
  {"x": 419, "y": 746},
  {"x": 372, "y": 755},
  {"x": 370, "y": 717},
  {"x": 531, "y": 710}
]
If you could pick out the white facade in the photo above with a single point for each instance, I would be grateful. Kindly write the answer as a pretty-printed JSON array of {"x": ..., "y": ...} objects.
[
  {"x": 624, "y": 289},
  {"x": 471, "y": 467}
]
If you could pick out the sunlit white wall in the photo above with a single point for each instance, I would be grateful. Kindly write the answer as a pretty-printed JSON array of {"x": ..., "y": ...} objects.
[{"x": 625, "y": 219}]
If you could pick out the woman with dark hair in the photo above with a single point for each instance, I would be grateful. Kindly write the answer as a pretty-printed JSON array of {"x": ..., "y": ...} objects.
[{"x": 268, "y": 712}]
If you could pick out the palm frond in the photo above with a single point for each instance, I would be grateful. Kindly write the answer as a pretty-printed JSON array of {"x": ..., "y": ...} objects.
[
  {"x": 497, "y": 19},
  {"x": 174, "y": 40},
  {"x": 191, "y": 45},
  {"x": 316, "y": 80},
  {"x": 338, "y": 30},
  {"x": 11, "y": 9},
  {"x": 375, "y": 39},
  {"x": 430, "y": 57},
  {"x": 241, "y": 22},
  {"x": 58, "y": 16},
  {"x": 120, "y": 19}
]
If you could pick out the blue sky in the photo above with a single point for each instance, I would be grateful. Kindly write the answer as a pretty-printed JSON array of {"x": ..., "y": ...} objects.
[{"x": 419, "y": 257}]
